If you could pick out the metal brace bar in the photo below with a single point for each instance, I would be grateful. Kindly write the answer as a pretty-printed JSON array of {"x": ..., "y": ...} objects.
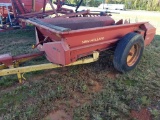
[{"x": 9, "y": 15}]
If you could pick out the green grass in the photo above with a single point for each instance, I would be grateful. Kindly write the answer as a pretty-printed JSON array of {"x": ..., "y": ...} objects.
[{"x": 72, "y": 89}]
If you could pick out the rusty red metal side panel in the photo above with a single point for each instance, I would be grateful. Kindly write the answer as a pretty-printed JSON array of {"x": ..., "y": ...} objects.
[
  {"x": 149, "y": 32},
  {"x": 29, "y": 5},
  {"x": 57, "y": 52},
  {"x": 85, "y": 50},
  {"x": 99, "y": 34},
  {"x": 60, "y": 53}
]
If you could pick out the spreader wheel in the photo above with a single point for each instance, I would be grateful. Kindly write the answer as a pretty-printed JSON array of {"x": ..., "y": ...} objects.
[{"x": 128, "y": 52}]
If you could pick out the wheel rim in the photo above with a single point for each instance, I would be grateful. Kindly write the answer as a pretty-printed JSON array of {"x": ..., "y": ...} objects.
[{"x": 133, "y": 54}]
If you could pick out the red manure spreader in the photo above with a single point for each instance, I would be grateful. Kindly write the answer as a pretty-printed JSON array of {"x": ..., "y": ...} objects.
[{"x": 78, "y": 39}]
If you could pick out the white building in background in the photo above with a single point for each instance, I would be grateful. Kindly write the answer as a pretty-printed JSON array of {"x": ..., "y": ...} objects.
[{"x": 112, "y": 6}]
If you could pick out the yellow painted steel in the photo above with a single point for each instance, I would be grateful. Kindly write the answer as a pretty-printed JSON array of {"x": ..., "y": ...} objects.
[
  {"x": 19, "y": 77},
  {"x": 2, "y": 67},
  {"x": 20, "y": 70}
]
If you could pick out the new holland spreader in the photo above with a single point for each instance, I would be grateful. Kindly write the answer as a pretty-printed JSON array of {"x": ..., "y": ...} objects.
[{"x": 74, "y": 40}]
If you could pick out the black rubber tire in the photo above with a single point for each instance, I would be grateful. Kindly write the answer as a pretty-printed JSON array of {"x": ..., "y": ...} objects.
[{"x": 122, "y": 50}]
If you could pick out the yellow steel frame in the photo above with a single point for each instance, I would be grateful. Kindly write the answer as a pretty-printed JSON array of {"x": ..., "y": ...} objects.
[{"x": 21, "y": 70}]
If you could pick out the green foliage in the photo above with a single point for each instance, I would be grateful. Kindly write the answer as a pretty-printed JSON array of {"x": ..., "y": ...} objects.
[
  {"x": 153, "y": 5},
  {"x": 155, "y": 113},
  {"x": 145, "y": 100}
]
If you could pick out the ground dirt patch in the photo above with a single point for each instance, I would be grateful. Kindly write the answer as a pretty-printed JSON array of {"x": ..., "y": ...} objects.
[
  {"x": 143, "y": 114},
  {"x": 65, "y": 110},
  {"x": 58, "y": 115}
]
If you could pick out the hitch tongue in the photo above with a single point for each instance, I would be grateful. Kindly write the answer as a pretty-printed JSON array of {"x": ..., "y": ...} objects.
[{"x": 13, "y": 62}]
